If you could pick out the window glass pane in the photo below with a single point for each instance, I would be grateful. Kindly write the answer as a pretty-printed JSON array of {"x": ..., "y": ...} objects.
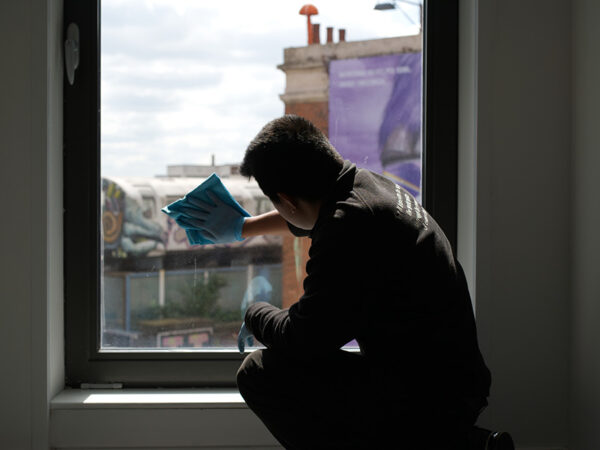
[
  {"x": 376, "y": 104},
  {"x": 184, "y": 87}
]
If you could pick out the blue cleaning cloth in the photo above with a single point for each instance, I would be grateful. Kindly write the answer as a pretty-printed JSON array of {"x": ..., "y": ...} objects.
[{"x": 213, "y": 184}]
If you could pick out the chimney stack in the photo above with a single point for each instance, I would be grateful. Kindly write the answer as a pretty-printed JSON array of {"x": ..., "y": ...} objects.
[
  {"x": 316, "y": 34},
  {"x": 342, "y": 34},
  {"x": 309, "y": 10},
  {"x": 329, "y": 35}
]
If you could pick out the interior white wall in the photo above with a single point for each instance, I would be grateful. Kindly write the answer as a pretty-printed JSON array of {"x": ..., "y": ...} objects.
[
  {"x": 586, "y": 226},
  {"x": 15, "y": 320},
  {"x": 31, "y": 329},
  {"x": 515, "y": 122},
  {"x": 467, "y": 140}
]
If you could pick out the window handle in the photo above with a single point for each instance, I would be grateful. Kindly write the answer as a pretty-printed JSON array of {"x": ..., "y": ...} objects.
[{"x": 72, "y": 51}]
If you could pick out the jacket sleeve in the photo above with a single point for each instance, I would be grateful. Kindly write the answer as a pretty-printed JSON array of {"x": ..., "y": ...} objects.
[{"x": 327, "y": 316}]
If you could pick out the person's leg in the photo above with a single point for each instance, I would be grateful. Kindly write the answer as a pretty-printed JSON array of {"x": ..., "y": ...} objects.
[
  {"x": 420, "y": 421},
  {"x": 316, "y": 403},
  {"x": 333, "y": 403}
]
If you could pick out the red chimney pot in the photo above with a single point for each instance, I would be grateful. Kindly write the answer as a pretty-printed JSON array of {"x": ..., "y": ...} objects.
[
  {"x": 316, "y": 34},
  {"x": 309, "y": 10},
  {"x": 329, "y": 35}
]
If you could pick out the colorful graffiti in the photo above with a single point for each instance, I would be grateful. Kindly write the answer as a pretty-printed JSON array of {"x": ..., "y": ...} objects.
[{"x": 126, "y": 231}]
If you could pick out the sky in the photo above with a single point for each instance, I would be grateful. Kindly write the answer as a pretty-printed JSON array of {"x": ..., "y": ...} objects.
[{"x": 182, "y": 80}]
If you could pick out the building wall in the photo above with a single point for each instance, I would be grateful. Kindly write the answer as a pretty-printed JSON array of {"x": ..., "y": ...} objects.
[
  {"x": 15, "y": 321},
  {"x": 585, "y": 210},
  {"x": 522, "y": 220},
  {"x": 31, "y": 294},
  {"x": 317, "y": 112}
]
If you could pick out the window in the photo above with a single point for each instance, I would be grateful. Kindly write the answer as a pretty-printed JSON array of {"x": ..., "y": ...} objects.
[{"x": 167, "y": 93}]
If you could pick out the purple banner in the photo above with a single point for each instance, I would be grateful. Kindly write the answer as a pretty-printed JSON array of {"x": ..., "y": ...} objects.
[{"x": 375, "y": 115}]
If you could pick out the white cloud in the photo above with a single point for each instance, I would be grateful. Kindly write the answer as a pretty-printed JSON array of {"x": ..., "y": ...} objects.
[{"x": 185, "y": 79}]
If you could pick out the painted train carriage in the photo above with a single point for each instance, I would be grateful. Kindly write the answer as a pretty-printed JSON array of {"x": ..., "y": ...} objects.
[{"x": 158, "y": 290}]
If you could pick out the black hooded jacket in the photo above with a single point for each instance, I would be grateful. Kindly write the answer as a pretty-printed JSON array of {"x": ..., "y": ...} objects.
[{"x": 381, "y": 271}]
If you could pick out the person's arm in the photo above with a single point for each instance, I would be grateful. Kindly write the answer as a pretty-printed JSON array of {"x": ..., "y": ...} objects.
[
  {"x": 267, "y": 223},
  {"x": 330, "y": 312}
]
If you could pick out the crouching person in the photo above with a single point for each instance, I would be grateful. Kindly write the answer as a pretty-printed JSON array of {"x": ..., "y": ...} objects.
[{"x": 380, "y": 272}]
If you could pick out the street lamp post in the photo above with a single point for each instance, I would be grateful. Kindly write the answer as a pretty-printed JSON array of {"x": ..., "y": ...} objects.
[{"x": 383, "y": 6}]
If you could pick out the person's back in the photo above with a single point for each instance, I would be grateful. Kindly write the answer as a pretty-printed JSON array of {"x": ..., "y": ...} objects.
[
  {"x": 396, "y": 288},
  {"x": 420, "y": 329}
]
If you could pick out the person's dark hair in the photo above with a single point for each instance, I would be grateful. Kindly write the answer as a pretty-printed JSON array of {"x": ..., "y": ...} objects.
[{"x": 292, "y": 156}]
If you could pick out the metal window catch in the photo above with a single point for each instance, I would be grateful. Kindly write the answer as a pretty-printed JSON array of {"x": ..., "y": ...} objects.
[
  {"x": 72, "y": 51},
  {"x": 101, "y": 386}
]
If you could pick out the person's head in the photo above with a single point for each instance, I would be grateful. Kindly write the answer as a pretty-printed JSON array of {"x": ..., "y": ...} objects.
[{"x": 295, "y": 165}]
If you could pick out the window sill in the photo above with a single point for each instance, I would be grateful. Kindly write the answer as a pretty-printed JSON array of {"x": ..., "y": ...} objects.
[{"x": 158, "y": 418}]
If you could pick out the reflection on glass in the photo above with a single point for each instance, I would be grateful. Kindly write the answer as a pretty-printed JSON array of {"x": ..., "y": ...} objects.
[{"x": 185, "y": 86}]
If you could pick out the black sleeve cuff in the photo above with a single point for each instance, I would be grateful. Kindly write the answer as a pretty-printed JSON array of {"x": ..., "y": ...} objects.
[
  {"x": 266, "y": 323},
  {"x": 254, "y": 315}
]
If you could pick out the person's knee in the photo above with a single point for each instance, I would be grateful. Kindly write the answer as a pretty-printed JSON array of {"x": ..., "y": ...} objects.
[
  {"x": 264, "y": 371},
  {"x": 249, "y": 371}
]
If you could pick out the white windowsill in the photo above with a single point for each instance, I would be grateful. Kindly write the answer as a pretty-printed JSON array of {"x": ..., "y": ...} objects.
[
  {"x": 147, "y": 398},
  {"x": 155, "y": 418}
]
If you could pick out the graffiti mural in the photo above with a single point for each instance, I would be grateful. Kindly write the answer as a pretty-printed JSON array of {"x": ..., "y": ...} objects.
[
  {"x": 113, "y": 209},
  {"x": 126, "y": 229}
]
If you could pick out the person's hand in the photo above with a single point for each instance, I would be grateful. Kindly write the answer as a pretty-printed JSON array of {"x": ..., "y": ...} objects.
[
  {"x": 218, "y": 222},
  {"x": 244, "y": 337}
]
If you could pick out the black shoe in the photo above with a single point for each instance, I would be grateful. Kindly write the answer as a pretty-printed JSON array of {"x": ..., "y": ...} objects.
[
  {"x": 482, "y": 439},
  {"x": 500, "y": 440}
]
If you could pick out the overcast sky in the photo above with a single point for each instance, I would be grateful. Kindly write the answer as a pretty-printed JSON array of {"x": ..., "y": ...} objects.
[{"x": 184, "y": 79}]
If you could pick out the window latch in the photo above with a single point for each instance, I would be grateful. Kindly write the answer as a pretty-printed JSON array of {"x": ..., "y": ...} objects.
[
  {"x": 72, "y": 51},
  {"x": 101, "y": 386}
]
